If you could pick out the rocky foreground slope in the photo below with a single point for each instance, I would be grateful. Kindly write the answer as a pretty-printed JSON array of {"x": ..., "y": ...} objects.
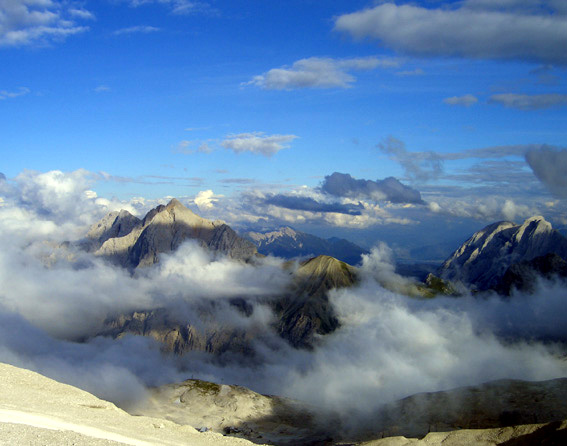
[{"x": 36, "y": 410}]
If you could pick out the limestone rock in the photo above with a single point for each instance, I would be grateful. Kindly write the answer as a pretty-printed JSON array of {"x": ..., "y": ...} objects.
[
  {"x": 132, "y": 243},
  {"x": 484, "y": 258}
]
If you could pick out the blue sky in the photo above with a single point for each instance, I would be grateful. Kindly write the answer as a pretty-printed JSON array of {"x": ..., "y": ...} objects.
[{"x": 253, "y": 105}]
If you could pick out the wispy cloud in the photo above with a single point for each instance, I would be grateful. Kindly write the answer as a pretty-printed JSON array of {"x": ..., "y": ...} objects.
[
  {"x": 141, "y": 29},
  {"x": 416, "y": 72},
  {"x": 475, "y": 29},
  {"x": 466, "y": 100},
  {"x": 529, "y": 102},
  {"x": 257, "y": 143},
  {"x": 22, "y": 91},
  {"x": 176, "y": 6},
  {"x": 318, "y": 72},
  {"x": 29, "y": 22},
  {"x": 102, "y": 89}
]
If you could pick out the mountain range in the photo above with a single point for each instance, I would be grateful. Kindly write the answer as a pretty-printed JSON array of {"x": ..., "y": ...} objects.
[
  {"x": 503, "y": 256},
  {"x": 130, "y": 242},
  {"x": 288, "y": 243}
]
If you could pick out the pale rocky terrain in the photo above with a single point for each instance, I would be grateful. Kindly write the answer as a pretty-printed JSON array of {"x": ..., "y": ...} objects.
[
  {"x": 237, "y": 411},
  {"x": 127, "y": 241},
  {"x": 35, "y": 410}
]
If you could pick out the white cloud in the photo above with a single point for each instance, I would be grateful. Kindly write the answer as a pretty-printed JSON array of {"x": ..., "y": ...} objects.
[
  {"x": 529, "y": 102},
  {"x": 257, "y": 143},
  {"x": 28, "y": 22},
  {"x": 416, "y": 72},
  {"x": 22, "y": 91},
  {"x": 102, "y": 89},
  {"x": 503, "y": 31},
  {"x": 318, "y": 72},
  {"x": 466, "y": 100},
  {"x": 176, "y": 6},
  {"x": 206, "y": 199},
  {"x": 136, "y": 30}
]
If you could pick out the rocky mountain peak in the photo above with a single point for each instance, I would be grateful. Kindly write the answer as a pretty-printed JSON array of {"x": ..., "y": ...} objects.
[
  {"x": 133, "y": 243},
  {"x": 484, "y": 258}
]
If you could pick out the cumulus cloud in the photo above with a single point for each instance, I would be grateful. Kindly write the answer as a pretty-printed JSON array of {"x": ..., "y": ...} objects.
[
  {"x": 550, "y": 166},
  {"x": 474, "y": 29},
  {"x": 529, "y": 102},
  {"x": 388, "y": 189},
  {"x": 466, "y": 100},
  {"x": 206, "y": 199},
  {"x": 257, "y": 142},
  {"x": 140, "y": 29},
  {"x": 318, "y": 72},
  {"x": 30, "y": 22},
  {"x": 22, "y": 91}
]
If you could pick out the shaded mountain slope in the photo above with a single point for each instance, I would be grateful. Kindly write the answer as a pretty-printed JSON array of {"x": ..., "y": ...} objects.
[
  {"x": 523, "y": 276},
  {"x": 306, "y": 311},
  {"x": 484, "y": 258},
  {"x": 300, "y": 315},
  {"x": 288, "y": 243},
  {"x": 491, "y": 405}
]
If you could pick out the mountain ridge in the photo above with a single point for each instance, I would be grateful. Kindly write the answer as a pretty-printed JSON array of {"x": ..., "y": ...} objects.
[
  {"x": 483, "y": 259},
  {"x": 130, "y": 242}
]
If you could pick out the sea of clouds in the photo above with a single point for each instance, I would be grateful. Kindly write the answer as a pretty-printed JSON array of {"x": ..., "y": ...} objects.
[{"x": 54, "y": 298}]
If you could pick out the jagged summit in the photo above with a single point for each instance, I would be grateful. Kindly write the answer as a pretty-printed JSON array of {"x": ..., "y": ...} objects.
[
  {"x": 130, "y": 242},
  {"x": 484, "y": 258}
]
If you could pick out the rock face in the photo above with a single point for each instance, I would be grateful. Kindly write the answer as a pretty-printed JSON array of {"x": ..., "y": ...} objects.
[
  {"x": 131, "y": 243},
  {"x": 178, "y": 335},
  {"x": 484, "y": 258},
  {"x": 289, "y": 243}
]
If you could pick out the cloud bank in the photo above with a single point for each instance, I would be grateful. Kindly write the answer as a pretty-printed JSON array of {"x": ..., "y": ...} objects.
[
  {"x": 472, "y": 29},
  {"x": 388, "y": 189},
  {"x": 549, "y": 166},
  {"x": 388, "y": 346}
]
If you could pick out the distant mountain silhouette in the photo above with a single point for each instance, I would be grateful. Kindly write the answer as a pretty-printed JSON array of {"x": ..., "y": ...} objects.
[{"x": 288, "y": 243}]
